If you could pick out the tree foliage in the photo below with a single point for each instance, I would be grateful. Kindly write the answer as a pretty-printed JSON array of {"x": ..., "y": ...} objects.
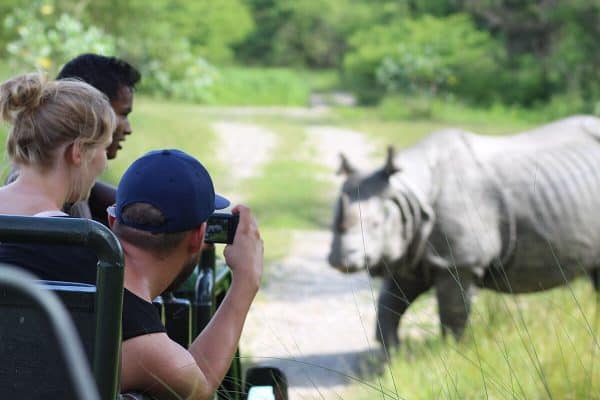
[
  {"x": 43, "y": 39},
  {"x": 553, "y": 45},
  {"x": 515, "y": 51},
  {"x": 542, "y": 49},
  {"x": 426, "y": 54},
  {"x": 307, "y": 32},
  {"x": 170, "y": 52}
]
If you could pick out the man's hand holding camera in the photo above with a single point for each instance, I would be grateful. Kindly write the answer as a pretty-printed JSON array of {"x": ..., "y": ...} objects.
[{"x": 245, "y": 255}]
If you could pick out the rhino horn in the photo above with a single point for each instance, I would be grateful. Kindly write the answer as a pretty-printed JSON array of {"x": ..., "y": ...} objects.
[
  {"x": 345, "y": 167},
  {"x": 390, "y": 167}
]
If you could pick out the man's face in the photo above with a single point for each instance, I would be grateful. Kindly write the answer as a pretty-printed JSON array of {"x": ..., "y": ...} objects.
[{"x": 122, "y": 106}]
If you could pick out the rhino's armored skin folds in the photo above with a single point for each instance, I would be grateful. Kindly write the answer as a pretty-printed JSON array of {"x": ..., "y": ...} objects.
[{"x": 514, "y": 214}]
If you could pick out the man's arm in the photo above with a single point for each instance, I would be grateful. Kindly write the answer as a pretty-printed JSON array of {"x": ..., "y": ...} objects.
[
  {"x": 156, "y": 365},
  {"x": 102, "y": 196},
  {"x": 164, "y": 369},
  {"x": 222, "y": 334}
]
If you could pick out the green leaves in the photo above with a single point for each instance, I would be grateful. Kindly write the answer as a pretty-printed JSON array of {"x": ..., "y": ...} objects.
[
  {"x": 428, "y": 55},
  {"x": 45, "y": 39}
]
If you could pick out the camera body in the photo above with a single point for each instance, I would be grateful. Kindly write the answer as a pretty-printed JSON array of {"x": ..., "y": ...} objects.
[{"x": 220, "y": 228}]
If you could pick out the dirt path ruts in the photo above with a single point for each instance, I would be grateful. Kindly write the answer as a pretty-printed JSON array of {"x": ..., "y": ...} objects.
[{"x": 244, "y": 148}]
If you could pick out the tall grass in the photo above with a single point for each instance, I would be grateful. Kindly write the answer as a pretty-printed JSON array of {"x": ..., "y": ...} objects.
[{"x": 535, "y": 346}]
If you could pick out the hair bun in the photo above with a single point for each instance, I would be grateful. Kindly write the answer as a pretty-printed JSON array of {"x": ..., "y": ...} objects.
[{"x": 21, "y": 94}]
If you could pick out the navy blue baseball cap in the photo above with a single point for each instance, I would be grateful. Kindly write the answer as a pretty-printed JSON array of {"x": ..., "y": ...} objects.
[{"x": 173, "y": 182}]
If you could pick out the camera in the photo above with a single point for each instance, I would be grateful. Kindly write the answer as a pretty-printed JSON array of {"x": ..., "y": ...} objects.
[{"x": 220, "y": 228}]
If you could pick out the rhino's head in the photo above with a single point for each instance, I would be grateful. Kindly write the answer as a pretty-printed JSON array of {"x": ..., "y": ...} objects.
[{"x": 375, "y": 225}]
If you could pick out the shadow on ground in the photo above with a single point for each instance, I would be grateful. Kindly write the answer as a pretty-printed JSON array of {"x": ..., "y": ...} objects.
[{"x": 322, "y": 371}]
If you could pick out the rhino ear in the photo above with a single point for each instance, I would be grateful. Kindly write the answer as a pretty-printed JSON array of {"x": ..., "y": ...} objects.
[
  {"x": 390, "y": 167},
  {"x": 345, "y": 167}
]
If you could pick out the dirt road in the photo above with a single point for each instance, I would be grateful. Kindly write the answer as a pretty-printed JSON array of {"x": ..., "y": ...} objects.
[{"x": 311, "y": 321}]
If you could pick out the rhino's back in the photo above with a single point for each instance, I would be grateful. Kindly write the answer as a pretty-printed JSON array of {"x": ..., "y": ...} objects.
[{"x": 550, "y": 177}]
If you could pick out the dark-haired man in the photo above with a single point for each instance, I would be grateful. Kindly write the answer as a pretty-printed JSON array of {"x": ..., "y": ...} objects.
[
  {"x": 113, "y": 77},
  {"x": 163, "y": 202},
  {"x": 117, "y": 80}
]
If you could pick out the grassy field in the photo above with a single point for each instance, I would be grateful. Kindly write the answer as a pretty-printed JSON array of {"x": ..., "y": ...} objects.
[{"x": 538, "y": 346}]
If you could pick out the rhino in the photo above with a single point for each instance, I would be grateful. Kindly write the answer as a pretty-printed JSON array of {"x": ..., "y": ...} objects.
[{"x": 459, "y": 211}]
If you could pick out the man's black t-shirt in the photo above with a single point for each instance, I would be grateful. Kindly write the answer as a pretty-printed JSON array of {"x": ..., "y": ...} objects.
[{"x": 78, "y": 264}]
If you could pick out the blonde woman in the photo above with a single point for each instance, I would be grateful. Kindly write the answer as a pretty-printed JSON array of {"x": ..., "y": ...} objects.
[{"x": 59, "y": 134}]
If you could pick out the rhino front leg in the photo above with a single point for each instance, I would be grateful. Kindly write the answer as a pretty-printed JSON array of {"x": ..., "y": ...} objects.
[
  {"x": 454, "y": 290},
  {"x": 397, "y": 293}
]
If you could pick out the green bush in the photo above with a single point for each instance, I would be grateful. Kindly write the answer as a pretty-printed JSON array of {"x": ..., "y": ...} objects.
[
  {"x": 574, "y": 63},
  {"x": 368, "y": 49},
  {"x": 185, "y": 77},
  {"x": 428, "y": 55},
  {"x": 45, "y": 39},
  {"x": 553, "y": 45}
]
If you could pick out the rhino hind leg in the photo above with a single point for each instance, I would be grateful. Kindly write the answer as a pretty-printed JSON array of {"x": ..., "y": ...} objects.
[
  {"x": 453, "y": 291},
  {"x": 397, "y": 293}
]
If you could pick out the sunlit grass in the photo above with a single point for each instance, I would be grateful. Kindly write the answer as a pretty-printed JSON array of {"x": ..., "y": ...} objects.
[
  {"x": 535, "y": 346},
  {"x": 258, "y": 86}
]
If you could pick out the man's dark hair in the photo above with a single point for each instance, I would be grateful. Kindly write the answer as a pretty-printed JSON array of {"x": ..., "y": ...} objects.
[
  {"x": 160, "y": 244},
  {"x": 106, "y": 74}
]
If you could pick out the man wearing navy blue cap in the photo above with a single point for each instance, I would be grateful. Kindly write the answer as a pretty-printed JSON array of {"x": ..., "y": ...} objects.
[{"x": 163, "y": 202}]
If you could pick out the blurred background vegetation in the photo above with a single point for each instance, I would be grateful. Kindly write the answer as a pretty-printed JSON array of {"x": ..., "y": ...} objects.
[{"x": 541, "y": 55}]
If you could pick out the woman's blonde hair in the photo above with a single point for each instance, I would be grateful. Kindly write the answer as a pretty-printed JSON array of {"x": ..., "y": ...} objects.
[{"x": 46, "y": 115}]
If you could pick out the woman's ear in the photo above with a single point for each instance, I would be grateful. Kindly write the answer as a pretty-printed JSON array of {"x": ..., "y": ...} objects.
[{"x": 74, "y": 154}]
